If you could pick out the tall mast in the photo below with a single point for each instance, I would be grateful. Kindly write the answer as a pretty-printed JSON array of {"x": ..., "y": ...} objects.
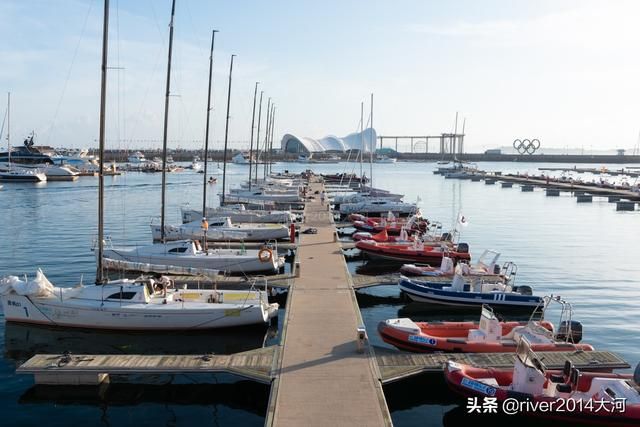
[
  {"x": 253, "y": 120},
  {"x": 9, "y": 128},
  {"x": 206, "y": 135},
  {"x": 372, "y": 143},
  {"x": 166, "y": 122},
  {"x": 361, "y": 140},
  {"x": 273, "y": 118},
  {"x": 455, "y": 138},
  {"x": 226, "y": 132},
  {"x": 266, "y": 136},
  {"x": 100, "y": 278},
  {"x": 258, "y": 135},
  {"x": 464, "y": 122}
]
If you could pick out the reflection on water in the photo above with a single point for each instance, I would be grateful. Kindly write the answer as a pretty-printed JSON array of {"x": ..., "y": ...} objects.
[{"x": 244, "y": 395}]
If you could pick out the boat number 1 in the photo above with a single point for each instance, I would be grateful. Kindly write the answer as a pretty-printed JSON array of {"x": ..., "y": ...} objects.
[{"x": 26, "y": 312}]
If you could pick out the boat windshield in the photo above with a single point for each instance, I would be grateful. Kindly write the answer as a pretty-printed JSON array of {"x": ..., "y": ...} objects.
[{"x": 527, "y": 357}]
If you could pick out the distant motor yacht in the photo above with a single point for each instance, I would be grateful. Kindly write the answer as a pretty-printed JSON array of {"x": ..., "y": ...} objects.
[{"x": 136, "y": 158}]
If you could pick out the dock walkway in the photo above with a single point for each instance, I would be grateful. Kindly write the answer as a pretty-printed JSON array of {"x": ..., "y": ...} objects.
[
  {"x": 323, "y": 380},
  {"x": 96, "y": 368},
  {"x": 566, "y": 186}
]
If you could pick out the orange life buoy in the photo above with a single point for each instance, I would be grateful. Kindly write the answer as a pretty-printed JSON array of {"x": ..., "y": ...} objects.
[{"x": 265, "y": 255}]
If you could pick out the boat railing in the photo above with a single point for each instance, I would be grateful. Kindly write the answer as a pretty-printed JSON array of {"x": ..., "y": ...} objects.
[
  {"x": 509, "y": 271},
  {"x": 106, "y": 241},
  {"x": 566, "y": 316}
]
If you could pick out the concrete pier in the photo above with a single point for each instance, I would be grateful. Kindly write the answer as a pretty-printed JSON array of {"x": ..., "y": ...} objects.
[{"x": 323, "y": 379}]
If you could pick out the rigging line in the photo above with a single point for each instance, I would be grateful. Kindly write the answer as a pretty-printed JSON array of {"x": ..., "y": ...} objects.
[
  {"x": 120, "y": 114},
  {"x": 66, "y": 82},
  {"x": 3, "y": 123},
  {"x": 41, "y": 312}
]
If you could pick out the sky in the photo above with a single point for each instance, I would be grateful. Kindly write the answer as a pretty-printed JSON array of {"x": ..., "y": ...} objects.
[{"x": 563, "y": 71}]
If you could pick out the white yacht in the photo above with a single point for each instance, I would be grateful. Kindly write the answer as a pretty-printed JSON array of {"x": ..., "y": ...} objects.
[
  {"x": 385, "y": 159},
  {"x": 261, "y": 196},
  {"x": 241, "y": 159},
  {"x": 136, "y": 158},
  {"x": 17, "y": 174},
  {"x": 238, "y": 213},
  {"x": 181, "y": 254},
  {"x": 378, "y": 206},
  {"x": 130, "y": 305},
  {"x": 78, "y": 159},
  {"x": 60, "y": 173},
  {"x": 222, "y": 229}
]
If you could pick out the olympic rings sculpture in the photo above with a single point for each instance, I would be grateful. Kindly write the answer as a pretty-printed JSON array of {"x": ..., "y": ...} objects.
[{"x": 526, "y": 146}]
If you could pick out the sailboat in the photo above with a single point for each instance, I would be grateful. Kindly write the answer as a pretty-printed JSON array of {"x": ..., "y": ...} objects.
[
  {"x": 222, "y": 229},
  {"x": 13, "y": 173},
  {"x": 179, "y": 250},
  {"x": 143, "y": 304}
]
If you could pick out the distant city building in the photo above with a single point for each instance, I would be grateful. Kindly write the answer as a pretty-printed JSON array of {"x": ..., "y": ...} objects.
[
  {"x": 493, "y": 151},
  {"x": 620, "y": 151},
  {"x": 354, "y": 141}
]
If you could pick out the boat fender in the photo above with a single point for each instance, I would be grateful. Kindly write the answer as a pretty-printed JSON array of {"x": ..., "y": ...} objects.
[{"x": 265, "y": 255}]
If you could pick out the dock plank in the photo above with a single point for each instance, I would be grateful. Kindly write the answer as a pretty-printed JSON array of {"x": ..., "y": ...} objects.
[
  {"x": 323, "y": 380},
  {"x": 254, "y": 364},
  {"x": 396, "y": 365}
]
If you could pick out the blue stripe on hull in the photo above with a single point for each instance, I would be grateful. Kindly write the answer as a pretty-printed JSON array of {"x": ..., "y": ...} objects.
[{"x": 424, "y": 293}]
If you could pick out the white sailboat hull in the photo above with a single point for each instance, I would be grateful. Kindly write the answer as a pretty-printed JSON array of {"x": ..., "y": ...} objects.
[
  {"x": 228, "y": 260},
  {"x": 143, "y": 316},
  {"x": 248, "y": 216},
  {"x": 379, "y": 206},
  {"x": 248, "y": 196},
  {"x": 238, "y": 233}
]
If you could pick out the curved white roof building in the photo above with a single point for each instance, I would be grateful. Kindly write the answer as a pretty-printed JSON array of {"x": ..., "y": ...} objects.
[{"x": 354, "y": 141}]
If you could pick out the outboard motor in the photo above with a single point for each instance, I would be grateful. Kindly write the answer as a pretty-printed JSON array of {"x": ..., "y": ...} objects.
[
  {"x": 523, "y": 290},
  {"x": 571, "y": 330},
  {"x": 462, "y": 248},
  {"x": 496, "y": 269}
]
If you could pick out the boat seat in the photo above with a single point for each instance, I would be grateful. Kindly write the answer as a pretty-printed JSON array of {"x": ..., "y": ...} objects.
[
  {"x": 574, "y": 377},
  {"x": 566, "y": 373}
]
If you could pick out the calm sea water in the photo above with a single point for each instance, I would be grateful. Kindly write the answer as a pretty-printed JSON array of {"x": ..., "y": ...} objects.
[{"x": 587, "y": 253}]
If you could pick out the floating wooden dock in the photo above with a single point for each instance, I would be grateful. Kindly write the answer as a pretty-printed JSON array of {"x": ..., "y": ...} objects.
[
  {"x": 566, "y": 186},
  {"x": 596, "y": 171},
  {"x": 395, "y": 365},
  {"x": 89, "y": 369},
  {"x": 258, "y": 365},
  {"x": 322, "y": 378}
]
